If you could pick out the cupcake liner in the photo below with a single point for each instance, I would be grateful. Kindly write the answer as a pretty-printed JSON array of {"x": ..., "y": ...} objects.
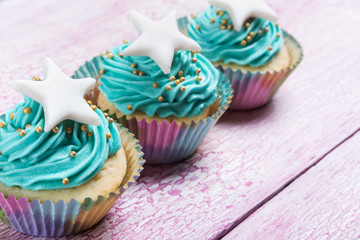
[
  {"x": 253, "y": 89},
  {"x": 50, "y": 219},
  {"x": 165, "y": 142}
]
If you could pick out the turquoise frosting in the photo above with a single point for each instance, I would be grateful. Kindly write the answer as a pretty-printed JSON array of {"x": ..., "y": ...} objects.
[
  {"x": 122, "y": 87},
  {"x": 40, "y": 161},
  {"x": 225, "y": 45}
]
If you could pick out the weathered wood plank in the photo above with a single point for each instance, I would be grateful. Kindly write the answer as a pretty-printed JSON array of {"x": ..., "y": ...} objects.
[{"x": 248, "y": 156}]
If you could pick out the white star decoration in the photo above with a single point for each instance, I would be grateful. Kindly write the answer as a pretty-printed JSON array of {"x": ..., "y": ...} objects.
[
  {"x": 159, "y": 40},
  {"x": 240, "y": 10},
  {"x": 61, "y": 96}
]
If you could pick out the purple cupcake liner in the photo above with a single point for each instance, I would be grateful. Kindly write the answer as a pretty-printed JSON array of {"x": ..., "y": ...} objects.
[
  {"x": 50, "y": 219},
  {"x": 164, "y": 142},
  {"x": 252, "y": 89}
]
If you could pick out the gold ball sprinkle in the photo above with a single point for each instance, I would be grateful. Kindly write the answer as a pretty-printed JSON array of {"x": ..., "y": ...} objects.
[
  {"x": 182, "y": 88},
  {"x": 55, "y": 130},
  {"x": 133, "y": 65},
  {"x": 39, "y": 129},
  {"x": 119, "y": 54},
  {"x": 277, "y": 24},
  {"x": 212, "y": 20},
  {"x": 102, "y": 54},
  {"x": 198, "y": 71},
  {"x": 230, "y": 27},
  {"x": 217, "y": 11},
  {"x": 168, "y": 87},
  {"x": 72, "y": 154},
  {"x": 155, "y": 85},
  {"x": 129, "y": 107},
  {"x": 106, "y": 115},
  {"x": 247, "y": 24},
  {"x": 0, "y": 153},
  {"x": 89, "y": 102},
  {"x": 243, "y": 42},
  {"x": 35, "y": 78},
  {"x": 2, "y": 124},
  {"x": 12, "y": 115},
  {"x": 27, "y": 125},
  {"x": 141, "y": 73},
  {"x": 27, "y": 110},
  {"x": 84, "y": 128},
  {"x": 89, "y": 133},
  {"x": 65, "y": 181},
  {"x": 22, "y": 132},
  {"x": 252, "y": 34},
  {"x": 110, "y": 120},
  {"x": 198, "y": 27},
  {"x": 198, "y": 78},
  {"x": 172, "y": 78},
  {"x": 182, "y": 79},
  {"x": 221, "y": 13},
  {"x": 94, "y": 107},
  {"x": 194, "y": 60},
  {"x": 180, "y": 73},
  {"x": 108, "y": 51},
  {"x": 248, "y": 38},
  {"x": 102, "y": 71},
  {"x": 222, "y": 27},
  {"x": 110, "y": 55},
  {"x": 125, "y": 41},
  {"x": 136, "y": 72},
  {"x": 160, "y": 99},
  {"x": 193, "y": 15},
  {"x": 177, "y": 82},
  {"x": 260, "y": 32},
  {"x": 192, "y": 52},
  {"x": 278, "y": 35},
  {"x": 69, "y": 130},
  {"x": 270, "y": 48},
  {"x": 224, "y": 21},
  {"x": 266, "y": 29},
  {"x": 108, "y": 135}
]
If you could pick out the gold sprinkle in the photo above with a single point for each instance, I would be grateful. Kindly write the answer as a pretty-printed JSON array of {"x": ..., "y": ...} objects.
[
  {"x": 252, "y": 34},
  {"x": 182, "y": 88},
  {"x": 2, "y": 124},
  {"x": 27, "y": 110},
  {"x": 180, "y": 73},
  {"x": 194, "y": 60},
  {"x": 224, "y": 21},
  {"x": 106, "y": 115},
  {"x": 198, "y": 78},
  {"x": 247, "y": 24},
  {"x": 172, "y": 78},
  {"x": 221, "y": 13},
  {"x": 266, "y": 29},
  {"x": 182, "y": 79},
  {"x": 198, "y": 27},
  {"x": 125, "y": 41},
  {"x": 94, "y": 107},
  {"x": 141, "y": 73},
  {"x": 230, "y": 27},
  {"x": 39, "y": 129},
  {"x": 243, "y": 42},
  {"x": 12, "y": 115},
  {"x": 55, "y": 130},
  {"x": 248, "y": 38},
  {"x": 212, "y": 20},
  {"x": 89, "y": 133},
  {"x": 155, "y": 85},
  {"x": 160, "y": 99},
  {"x": 192, "y": 52},
  {"x": 110, "y": 55},
  {"x": 89, "y": 102},
  {"x": 18, "y": 129},
  {"x": 168, "y": 87},
  {"x": 136, "y": 72},
  {"x": 22, "y": 132},
  {"x": 193, "y": 15},
  {"x": 217, "y": 11},
  {"x": 110, "y": 120},
  {"x": 102, "y": 54},
  {"x": 108, "y": 135},
  {"x": 270, "y": 48},
  {"x": 65, "y": 181},
  {"x": 222, "y": 26},
  {"x": 0, "y": 153},
  {"x": 260, "y": 32},
  {"x": 35, "y": 78},
  {"x": 108, "y": 51},
  {"x": 119, "y": 54},
  {"x": 277, "y": 24},
  {"x": 129, "y": 107},
  {"x": 177, "y": 82},
  {"x": 134, "y": 65},
  {"x": 84, "y": 128},
  {"x": 198, "y": 71},
  {"x": 27, "y": 125},
  {"x": 72, "y": 154},
  {"x": 102, "y": 71},
  {"x": 69, "y": 130},
  {"x": 278, "y": 34}
]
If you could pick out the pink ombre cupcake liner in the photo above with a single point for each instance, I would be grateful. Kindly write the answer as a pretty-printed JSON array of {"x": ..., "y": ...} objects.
[
  {"x": 253, "y": 89},
  {"x": 50, "y": 219},
  {"x": 164, "y": 142}
]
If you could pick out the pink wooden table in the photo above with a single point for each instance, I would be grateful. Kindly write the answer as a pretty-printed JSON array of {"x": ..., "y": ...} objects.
[{"x": 286, "y": 171}]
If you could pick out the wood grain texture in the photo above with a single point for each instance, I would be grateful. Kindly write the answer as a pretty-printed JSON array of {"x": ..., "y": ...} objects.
[
  {"x": 324, "y": 203},
  {"x": 248, "y": 156}
]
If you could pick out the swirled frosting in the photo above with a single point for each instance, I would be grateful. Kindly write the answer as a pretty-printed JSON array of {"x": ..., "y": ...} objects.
[
  {"x": 220, "y": 42},
  {"x": 41, "y": 160},
  {"x": 137, "y": 83}
]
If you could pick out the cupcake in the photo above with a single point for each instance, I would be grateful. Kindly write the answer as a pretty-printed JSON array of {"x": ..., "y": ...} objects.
[
  {"x": 243, "y": 40},
  {"x": 63, "y": 162},
  {"x": 168, "y": 94}
]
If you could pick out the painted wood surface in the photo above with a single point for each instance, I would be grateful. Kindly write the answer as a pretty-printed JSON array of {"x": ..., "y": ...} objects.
[
  {"x": 248, "y": 157},
  {"x": 324, "y": 203}
]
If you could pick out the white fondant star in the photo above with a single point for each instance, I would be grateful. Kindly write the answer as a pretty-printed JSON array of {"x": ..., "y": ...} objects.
[
  {"x": 240, "y": 10},
  {"x": 61, "y": 96},
  {"x": 159, "y": 40}
]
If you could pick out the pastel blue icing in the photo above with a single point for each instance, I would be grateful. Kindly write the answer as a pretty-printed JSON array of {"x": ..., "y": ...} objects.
[
  {"x": 225, "y": 45},
  {"x": 39, "y": 161},
  {"x": 122, "y": 87}
]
